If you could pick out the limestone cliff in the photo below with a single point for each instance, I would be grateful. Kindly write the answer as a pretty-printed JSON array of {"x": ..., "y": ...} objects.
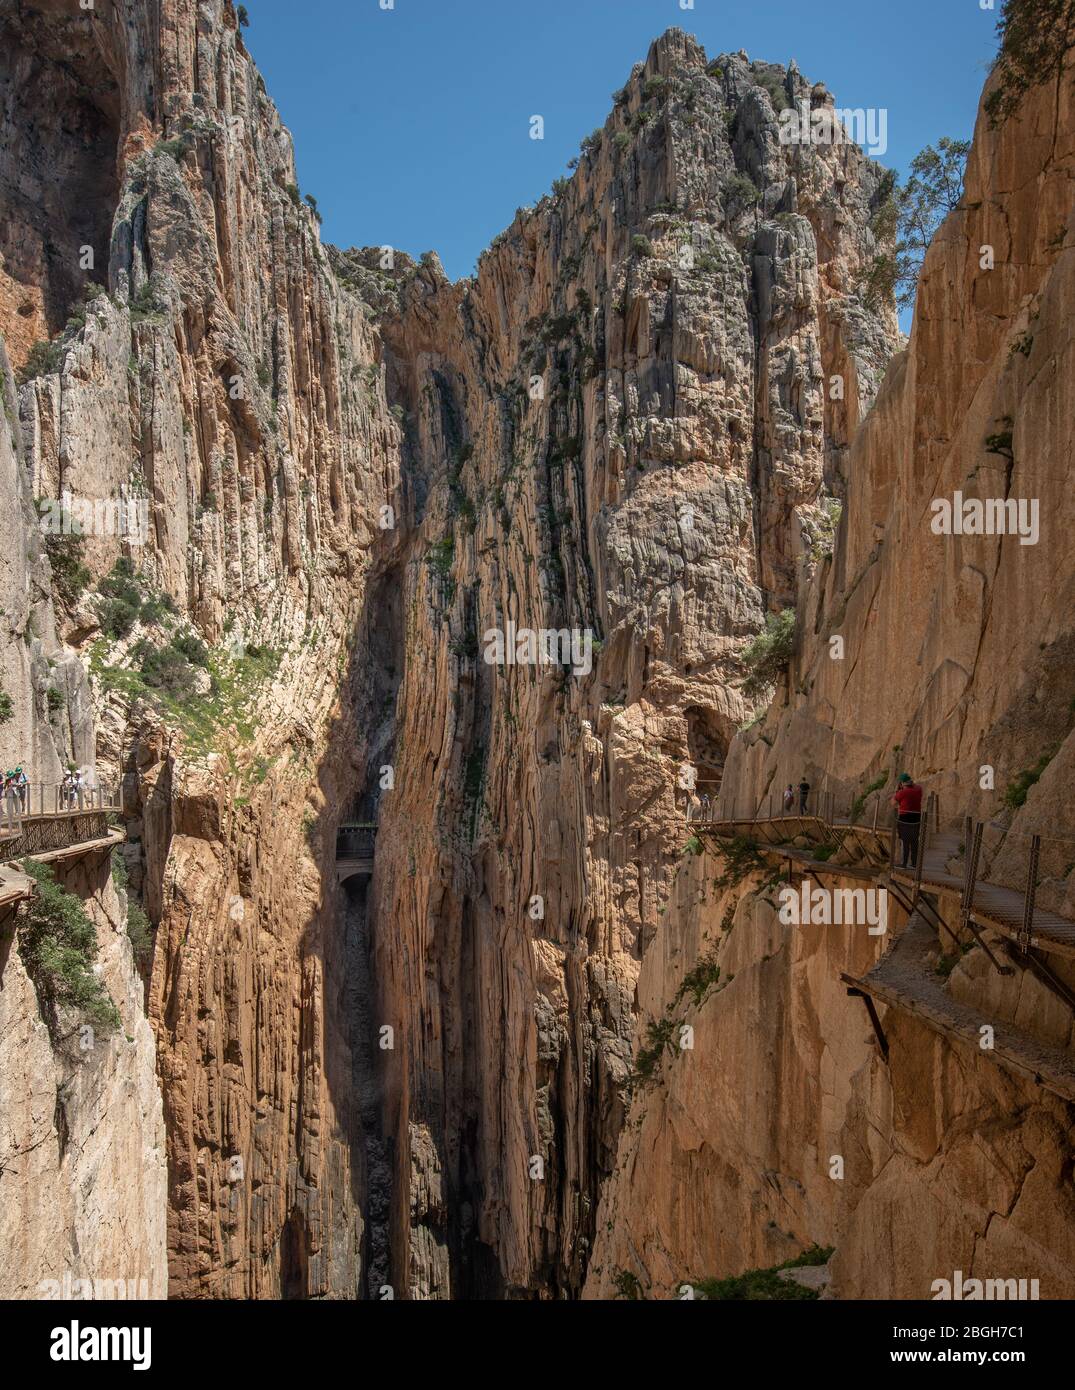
[
  {"x": 623, "y": 425},
  {"x": 956, "y": 663},
  {"x": 211, "y": 364},
  {"x": 629, "y": 427}
]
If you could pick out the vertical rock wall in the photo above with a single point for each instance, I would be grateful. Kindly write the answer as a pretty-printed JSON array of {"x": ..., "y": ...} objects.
[
  {"x": 957, "y": 659},
  {"x": 622, "y": 425}
]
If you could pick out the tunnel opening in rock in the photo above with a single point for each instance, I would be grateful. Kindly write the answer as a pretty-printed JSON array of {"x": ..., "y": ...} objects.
[
  {"x": 58, "y": 180},
  {"x": 708, "y": 737},
  {"x": 294, "y": 1257}
]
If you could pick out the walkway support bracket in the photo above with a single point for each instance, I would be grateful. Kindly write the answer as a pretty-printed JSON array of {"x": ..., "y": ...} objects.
[{"x": 871, "y": 1009}]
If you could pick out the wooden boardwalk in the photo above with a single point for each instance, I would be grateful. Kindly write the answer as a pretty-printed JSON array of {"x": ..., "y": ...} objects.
[
  {"x": 993, "y": 905},
  {"x": 901, "y": 980}
]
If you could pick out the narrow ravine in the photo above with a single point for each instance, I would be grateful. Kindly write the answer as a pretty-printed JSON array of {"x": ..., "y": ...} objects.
[{"x": 374, "y": 1274}]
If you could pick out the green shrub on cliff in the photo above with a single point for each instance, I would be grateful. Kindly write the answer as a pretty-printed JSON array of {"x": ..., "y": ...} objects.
[
  {"x": 121, "y": 600},
  {"x": 69, "y": 575},
  {"x": 1018, "y": 790},
  {"x": 699, "y": 980},
  {"x": 765, "y": 1284},
  {"x": 58, "y": 946},
  {"x": 44, "y": 357},
  {"x": 741, "y": 189},
  {"x": 767, "y": 657}
]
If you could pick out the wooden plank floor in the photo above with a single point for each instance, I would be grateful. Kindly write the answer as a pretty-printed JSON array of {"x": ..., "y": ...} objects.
[{"x": 901, "y": 980}]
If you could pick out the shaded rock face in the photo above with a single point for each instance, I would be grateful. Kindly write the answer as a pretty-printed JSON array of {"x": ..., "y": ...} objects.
[
  {"x": 627, "y": 425},
  {"x": 956, "y": 660},
  {"x": 228, "y": 378},
  {"x": 60, "y": 173}
]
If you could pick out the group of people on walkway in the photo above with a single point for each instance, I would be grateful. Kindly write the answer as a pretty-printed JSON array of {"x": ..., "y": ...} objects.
[
  {"x": 804, "y": 797},
  {"x": 15, "y": 798},
  {"x": 907, "y": 800},
  {"x": 71, "y": 788}
]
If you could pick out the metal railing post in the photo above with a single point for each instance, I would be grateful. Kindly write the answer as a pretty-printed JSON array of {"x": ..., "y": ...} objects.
[
  {"x": 919, "y": 860},
  {"x": 1029, "y": 895},
  {"x": 966, "y": 907}
]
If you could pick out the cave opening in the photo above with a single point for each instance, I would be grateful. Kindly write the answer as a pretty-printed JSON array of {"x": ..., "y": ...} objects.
[
  {"x": 294, "y": 1257},
  {"x": 709, "y": 734}
]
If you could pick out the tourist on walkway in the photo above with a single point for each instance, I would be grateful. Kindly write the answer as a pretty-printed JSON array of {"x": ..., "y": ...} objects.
[
  {"x": 908, "y": 804},
  {"x": 11, "y": 797},
  {"x": 22, "y": 787},
  {"x": 804, "y": 793},
  {"x": 705, "y": 805},
  {"x": 789, "y": 798}
]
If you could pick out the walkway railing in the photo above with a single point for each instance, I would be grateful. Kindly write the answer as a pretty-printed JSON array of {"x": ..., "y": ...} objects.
[
  {"x": 981, "y": 903},
  {"x": 869, "y": 810},
  {"x": 40, "y": 802}
]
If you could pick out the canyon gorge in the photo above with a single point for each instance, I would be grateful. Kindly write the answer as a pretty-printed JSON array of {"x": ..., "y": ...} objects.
[{"x": 669, "y": 403}]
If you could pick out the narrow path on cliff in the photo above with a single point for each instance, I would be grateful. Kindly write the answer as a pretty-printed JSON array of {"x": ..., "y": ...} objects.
[
  {"x": 992, "y": 905},
  {"x": 904, "y": 978}
]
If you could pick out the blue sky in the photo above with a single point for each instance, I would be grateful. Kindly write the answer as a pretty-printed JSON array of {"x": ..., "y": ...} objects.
[{"x": 411, "y": 125}]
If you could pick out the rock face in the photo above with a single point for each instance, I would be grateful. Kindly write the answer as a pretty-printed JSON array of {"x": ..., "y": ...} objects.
[
  {"x": 83, "y": 1185},
  {"x": 83, "y": 1182},
  {"x": 362, "y": 484},
  {"x": 621, "y": 427},
  {"x": 956, "y": 660},
  {"x": 227, "y": 378}
]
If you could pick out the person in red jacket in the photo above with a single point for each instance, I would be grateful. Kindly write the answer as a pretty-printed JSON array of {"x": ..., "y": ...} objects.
[{"x": 908, "y": 804}]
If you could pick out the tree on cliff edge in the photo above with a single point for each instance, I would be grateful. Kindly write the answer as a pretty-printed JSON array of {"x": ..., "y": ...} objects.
[
  {"x": 909, "y": 218},
  {"x": 1035, "y": 38}
]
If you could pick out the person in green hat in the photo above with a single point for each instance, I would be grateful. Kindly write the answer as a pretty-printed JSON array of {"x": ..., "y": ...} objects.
[
  {"x": 908, "y": 804},
  {"x": 22, "y": 787}
]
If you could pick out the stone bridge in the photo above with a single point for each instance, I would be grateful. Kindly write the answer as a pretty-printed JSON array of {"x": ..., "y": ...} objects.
[{"x": 355, "y": 842}]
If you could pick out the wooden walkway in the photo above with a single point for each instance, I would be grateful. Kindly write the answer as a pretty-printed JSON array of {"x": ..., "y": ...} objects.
[
  {"x": 16, "y": 887},
  {"x": 993, "y": 905},
  {"x": 901, "y": 980}
]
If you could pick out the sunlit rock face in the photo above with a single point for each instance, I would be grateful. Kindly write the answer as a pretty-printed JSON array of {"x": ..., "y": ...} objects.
[
  {"x": 227, "y": 378},
  {"x": 364, "y": 483},
  {"x": 957, "y": 665},
  {"x": 625, "y": 426}
]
